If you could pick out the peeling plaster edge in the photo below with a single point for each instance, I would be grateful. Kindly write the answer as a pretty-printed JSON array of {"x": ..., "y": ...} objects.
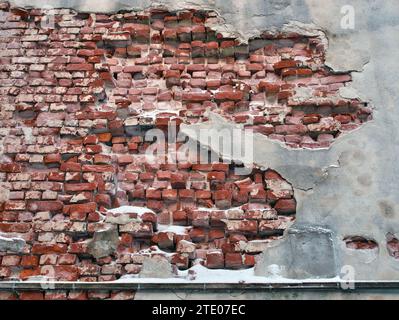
[{"x": 226, "y": 29}]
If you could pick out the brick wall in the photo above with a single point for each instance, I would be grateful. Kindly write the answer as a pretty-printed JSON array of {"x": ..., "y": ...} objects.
[
  {"x": 76, "y": 101},
  {"x": 68, "y": 295}
]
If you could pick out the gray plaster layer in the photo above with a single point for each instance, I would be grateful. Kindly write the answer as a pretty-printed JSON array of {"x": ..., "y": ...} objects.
[
  {"x": 11, "y": 244},
  {"x": 156, "y": 267},
  {"x": 303, "y": 253},
  {"x": 104, "y": 243},
  {"x": 352, "y": 188}
]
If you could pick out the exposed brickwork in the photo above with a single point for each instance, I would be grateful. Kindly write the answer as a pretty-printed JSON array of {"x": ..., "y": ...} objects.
[
  {"x": 393, "y": 246},
  {"x": 105, "y": 71},
  {"x": 76, "y": 101},
  {"x": 67, "y": 295},
  {"x": 225, "y": 212}
]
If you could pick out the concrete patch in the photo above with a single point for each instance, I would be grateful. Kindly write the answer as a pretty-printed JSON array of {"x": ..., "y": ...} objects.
[
  {"x": 156, "y": 267},
  {"x": 304, "y": 252},
  {"x": 11, "y": 244}
]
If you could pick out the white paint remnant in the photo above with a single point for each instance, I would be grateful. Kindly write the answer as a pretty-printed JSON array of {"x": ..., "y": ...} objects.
[
  {"x": 201, "y": 274},
  {"x": 175, "y": 229},
  {"x": 131, "y": 209}
]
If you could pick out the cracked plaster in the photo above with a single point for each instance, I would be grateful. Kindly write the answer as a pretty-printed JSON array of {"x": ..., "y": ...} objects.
[{"x": 352, "y": 187}]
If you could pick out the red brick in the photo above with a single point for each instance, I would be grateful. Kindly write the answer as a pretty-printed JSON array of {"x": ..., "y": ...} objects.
[
  {"x": 222, "y": 198},
  {"x": 79, "y": 67},
  {"x": 214, "y": 260},
  {"x": 216, "y": 234},
  {"x": 91, "y": 139},
  {"x": 291, "y": 129},
  {"x": 203, "y": 194},
  {"x": 10, "y": 167},
  {"x": 70, "y": 167},
  {"x": 56, "y": 176},
  {"x": 66, "y": 273},
  {"x": 186, "y": 193},
  {"x": 169, "y": 194},
  {"x": 31, "y": 295},
  {"x": 178, "y": 181},
  {"x": 77, "y": 295},
  {"x": 220, "y": 167},
  {"x": 14, "y": 205},
  {"x": 336, "y": 79},
  {"x": 197, "y": 96},
  {"x": 244, "y": 226},
  {"x": 216, "y": 175},
  {"x": 180, "y": 261},
  {"x": 146, "y": 176},
  {"x": 78, "y": 247},
  {"x": 234, "y": 261},
  {"x": 98, "y": 168},
  {"x": 52, "y": 158},
  {"x": 285, "y": 206},
  {"x": 180, "y": 217},
  {"x": 80, "y": 208},
  {"x": 103, "y": 200},
  {"x": 155, "y": 205},
  {"x": 27, "y": 273},
  {"x": 123, "y": 295},
  {"x": 125, "y": 159},
  {"x": 200, "y": 218},
  {"x": 4, "y": 295},
  {"x": 53, "y": 206},
  {"x": 311, "y": 118},
  {"x": 285, "y": 64},
  {"x": 67, "y": 258},
  {"x": 343, "y": 118},
  {"x": 229, "y": 95},
  {"x": 249, "y": 260},
  {"x": 11, "y": 260},
  {"x": 153, "y": 194},
  {"x": 55, "y": 295},
  {"x": 163, "y": 175},
  {"x": 164, "y": 240},
  {"x": 30, "y": 261},
  {"x": 104, "y": 137},
  {"x": 48, "y": 248},
  {"x": 197, "y": 234},
  {"x": 77, "y": 187}
]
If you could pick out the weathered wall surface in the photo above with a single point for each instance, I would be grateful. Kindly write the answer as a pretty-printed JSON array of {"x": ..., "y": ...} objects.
[
  {"x": 358, "y": 193},
  {"x": 350, "y": 189}
]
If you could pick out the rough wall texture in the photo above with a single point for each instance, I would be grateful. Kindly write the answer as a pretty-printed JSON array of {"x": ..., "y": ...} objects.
[
  {"x": 68, "y": 295},
  {"x": 346, "y": 195},
  {"x": 77, "y": 100}
]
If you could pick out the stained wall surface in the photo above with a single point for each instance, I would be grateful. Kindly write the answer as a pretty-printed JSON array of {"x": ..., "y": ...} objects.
[{"x": 346, "y": 193}]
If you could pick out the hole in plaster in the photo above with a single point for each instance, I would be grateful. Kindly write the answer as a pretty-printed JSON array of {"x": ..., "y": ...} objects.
[
  {"x": 392, "y": 245},
  {"x": 360, "y": 243},
  {"x": 258, "y": 85}
]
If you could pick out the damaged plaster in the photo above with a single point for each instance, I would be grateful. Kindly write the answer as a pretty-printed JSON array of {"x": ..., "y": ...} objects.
[{"x": 351, "y": 188}]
